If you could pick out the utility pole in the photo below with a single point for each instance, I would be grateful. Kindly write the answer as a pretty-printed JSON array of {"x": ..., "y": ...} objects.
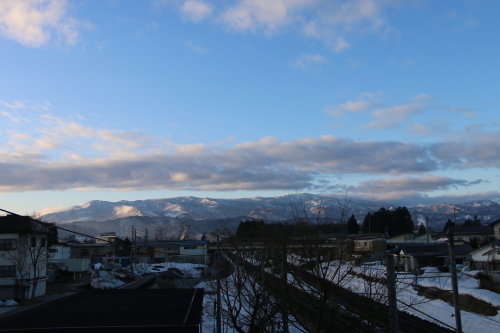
[
  {"x": 132, "y": 253},
  {"x": 218, "y": 314},
  {"x": 427, "y": 228},
  {"x": 391, "y": 294},
  {"x": 284, "y": 276},
  {"x": 148, "y": 259},
  {"x": 454, "y": 281}
]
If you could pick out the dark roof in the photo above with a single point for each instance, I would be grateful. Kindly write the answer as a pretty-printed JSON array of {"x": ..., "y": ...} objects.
[
  {"x": 20, "y": 224},
  {"x": 471, "y": 230},
  {"x": 494, "y": 222},
  {"x": 367, "y": 236},
  {"x": 165, "y": 310},
  {"x": 181, "y": 243},
  {"x": 492, "y": 244},
  {"x": 440, "y": 249},
  {"x": 420, "y": 250},
  {"x": 81, "y": 245}
]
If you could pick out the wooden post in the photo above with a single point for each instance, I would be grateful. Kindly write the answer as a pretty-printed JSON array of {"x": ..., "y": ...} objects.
[
  {"x": 454, "y": 281},
  {"x": 391, "y": 294}
]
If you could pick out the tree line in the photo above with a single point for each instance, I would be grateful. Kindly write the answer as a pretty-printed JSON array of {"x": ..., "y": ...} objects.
[{"x": 392, "y": 222}]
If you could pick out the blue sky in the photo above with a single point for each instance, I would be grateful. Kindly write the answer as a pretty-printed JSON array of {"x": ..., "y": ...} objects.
[{"x": 386, "y": 100}]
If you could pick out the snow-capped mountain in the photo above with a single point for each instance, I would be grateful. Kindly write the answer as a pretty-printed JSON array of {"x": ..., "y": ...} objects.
[
  {"x": 438, "y": 214},
  {"x": 203, "y": 214},
  {"x": 271, "y": 208}
]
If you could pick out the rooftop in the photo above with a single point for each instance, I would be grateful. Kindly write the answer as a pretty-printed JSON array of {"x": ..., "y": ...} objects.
[
  {"x": 165, "y": 310},
  {"x": 21, "y": 224}
]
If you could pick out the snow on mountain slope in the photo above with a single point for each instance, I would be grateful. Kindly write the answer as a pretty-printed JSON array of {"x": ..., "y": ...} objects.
[
  {"x": 277, "y": 208},
  {"x": 271, "y": 208}
]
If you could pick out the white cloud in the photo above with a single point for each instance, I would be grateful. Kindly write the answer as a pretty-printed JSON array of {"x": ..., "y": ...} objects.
[
  {"x": 467, "y": 112},
  {"x": 332, "y": 22},
  {"x": 61, "y": 155},
  {"x": 37, "y": 22},
  {"x": 195, "y": 10},
  {"x": 351, "y": 106},
  {"x": 13, "y": 118},
  {"x": 251, "y": 15},
  {"x": 307, "y": 60},
  {"x": 435, "y": 128},
  {"x": 355, "y": 106},
  {"x": 339, "y": 44},
  {"x": 383, "y": 116},
  {"x": 356, "y": 12},
  {"x": 149, "y": 27},
  {"x": 196, "y": 48},
  {"x": 418, "y": 184},
  {"x": 19, "y": 105},
  {"x": 393, "y": 116},
  {"x": 14, "y": 105},
  {"x": 334, "y": 112}
]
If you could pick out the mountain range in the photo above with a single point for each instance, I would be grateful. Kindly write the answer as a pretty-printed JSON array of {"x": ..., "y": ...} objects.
[{"x": 207, "y": 214}]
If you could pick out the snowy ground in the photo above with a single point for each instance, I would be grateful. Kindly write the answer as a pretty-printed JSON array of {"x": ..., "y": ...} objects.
[
  {"x": 190, "y": 270},
  {"x": 102, "y": 279},
  {"x": 208, "y": 318},
  {"x": 443, "y": 313},
  {"x": 409, "y": 300}
]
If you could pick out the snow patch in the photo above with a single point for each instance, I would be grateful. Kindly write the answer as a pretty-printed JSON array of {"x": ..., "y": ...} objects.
[
  {"x": 125, "y": 211},
  {"x": 104, "y": 280}
]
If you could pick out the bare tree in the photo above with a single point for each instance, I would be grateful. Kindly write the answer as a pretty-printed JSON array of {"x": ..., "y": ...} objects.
[
  {"x": 160, "y": 232},
  {"x": 248, "y": 304},
  {"x": 36, "y": 245},
  {"x": 30, "y": 252},
  {"x": 15, "y": 253},
  {"x": 343, "y": 209},
  {"x": 304, "y": 274},
  {"x": 185, "y": 231},
  {"x": 318, "y": 262}
]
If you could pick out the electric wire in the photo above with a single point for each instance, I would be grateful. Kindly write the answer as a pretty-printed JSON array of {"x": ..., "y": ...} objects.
[
  {"x": 427, "y": 315},
  {"x": 130, "y": 247}
]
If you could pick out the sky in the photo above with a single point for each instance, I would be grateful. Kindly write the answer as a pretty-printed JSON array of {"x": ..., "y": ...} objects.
[{"x": 386, "y": 100}]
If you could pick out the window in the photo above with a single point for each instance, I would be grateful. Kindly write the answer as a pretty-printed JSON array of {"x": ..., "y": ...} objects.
[
  {"x": 189, "y": 247},
  {"x": 84, "y": 252},
  {"x": 53, "y": 250},
  {"x": 33, "y": 241},
  {"x": 8, "y": 244},
  {"x": 96, "y": 250},
  {"x": 43, "y": 242},
  {"x": 8, "y": 271}
]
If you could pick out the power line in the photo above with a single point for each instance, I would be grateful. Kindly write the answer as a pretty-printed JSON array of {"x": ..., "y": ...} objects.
[
  {"x": 427, "y": 315},
  {"x": 72, "y": 231}
]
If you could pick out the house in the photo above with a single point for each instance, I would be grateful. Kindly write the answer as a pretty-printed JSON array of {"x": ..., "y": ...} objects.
[
  {"x": 23, "y": 257},
  {"x": 486, "y": 257},
  {"x": 59, "y": 251},
  {"x": 401, "y": 238},
  {"x": 496, "y": 229},
  {"x": 410, "y": 257},
  {"x": 478, "y": 234},
  {"x": 370, "y": 246},
  {"x": 180, "y": 251},
  {"x": 106, "y": 249},
  {"x": 414, "y": 238}
]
